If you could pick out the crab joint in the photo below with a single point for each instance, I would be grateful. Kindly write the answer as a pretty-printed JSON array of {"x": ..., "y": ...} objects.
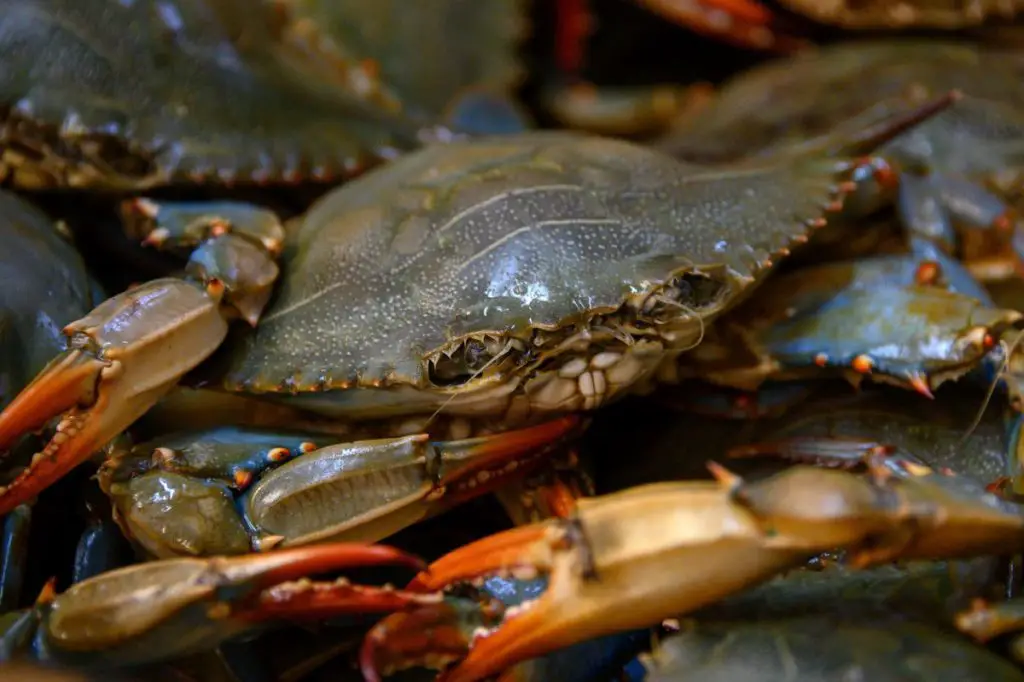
[{"x": 187, "y": 605}]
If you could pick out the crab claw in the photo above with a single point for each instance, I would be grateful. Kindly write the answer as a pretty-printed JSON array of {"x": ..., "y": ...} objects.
[
  {"x": 433, "y": 635},
  {"x": 163, "y": 609},
  {"x": 624, "y": 561},
  {"x": 121, "y": 358}
]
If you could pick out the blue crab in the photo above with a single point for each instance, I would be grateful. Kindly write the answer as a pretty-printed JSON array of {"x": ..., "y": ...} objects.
[{"x": 438, "y": 284}]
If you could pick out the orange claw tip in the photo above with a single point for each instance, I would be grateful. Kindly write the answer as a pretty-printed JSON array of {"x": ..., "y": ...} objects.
[
  {"x": 919, "y": 383},
  {"x": 724, "y": 476},
  {"x": 48, "y": 593},
  {"x": 56, "y": 389},
  {"x": 536, "y": 631},
  {"x": 498, "y": 552},
  {"x": 432, "y": 635},
  {"x": 306, "y": 599},
  {"x": 278, "y": 566}
]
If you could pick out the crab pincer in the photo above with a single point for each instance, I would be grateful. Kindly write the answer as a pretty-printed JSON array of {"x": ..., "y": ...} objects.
[
  {"x": 113, "y": 371},
  {"x": 163, "y": 609},
  {"x": 132, "y": 349},
  {"x": 399, "y": 642},
  {"x": 623, "y": 561},
  {"x": 631, "y": 559}
]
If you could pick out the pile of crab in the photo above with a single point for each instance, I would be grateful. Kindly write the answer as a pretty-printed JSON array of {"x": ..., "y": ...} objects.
[{"x": 747, "y": 389}]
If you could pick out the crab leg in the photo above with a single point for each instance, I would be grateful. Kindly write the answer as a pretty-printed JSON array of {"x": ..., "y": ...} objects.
[
  {"x": 133, "y": 348},
  {"x": 263, "y": 489},
  {"x": 272, "y": 586},
  {"x": 163, "y": 609},
  {"x": 437, "y": 635},
  {"x": 624, "y": 561},
  {"x": 632, "y": 559}
]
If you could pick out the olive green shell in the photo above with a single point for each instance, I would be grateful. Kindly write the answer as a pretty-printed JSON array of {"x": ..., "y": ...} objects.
[
  {"x": 822, "y": 650},
  {"x": 183, "y": 89},
  {"x": 885, "y": 624},
  {"x": 427, "y": 50},
  {"x": 43, "y": 286},
  {"x": 802, "y": 97},
  {"x": 503, "y": 235}
]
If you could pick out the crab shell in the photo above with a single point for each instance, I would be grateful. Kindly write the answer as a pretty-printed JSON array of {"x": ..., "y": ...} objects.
[
  {"x": 427, "y": 52},
  {"x": 194, "y": 91},
  {"x": 538, "y": 272},
  {"x": 43, "y": 286},
  {"x": 824, "y": 648},
  {"x": 767, "y": 108}
]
